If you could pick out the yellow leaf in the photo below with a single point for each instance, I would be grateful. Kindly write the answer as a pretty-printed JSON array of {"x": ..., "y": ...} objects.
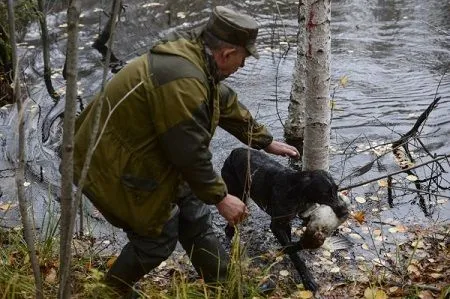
[
  {"x": 7, "y": 206},
  {"x": 343, "y": 81},
  {"x": 305, "y": 294},
  {"x": 374, "y": 293},
  {"x": 359, "y": 216},
  {"x": 382, "y": 183},
  {"x": 111, "y": 261}
]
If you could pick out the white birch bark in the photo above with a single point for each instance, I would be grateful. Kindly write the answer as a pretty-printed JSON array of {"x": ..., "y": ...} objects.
[
  {"x": 295, "y": 124},
  {"x": 317, "y": 108}
]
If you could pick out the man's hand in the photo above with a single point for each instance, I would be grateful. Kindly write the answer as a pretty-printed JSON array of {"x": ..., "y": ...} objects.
[
  {"x": 232, "y": 209},
  {"x": 282, "y": 149}
]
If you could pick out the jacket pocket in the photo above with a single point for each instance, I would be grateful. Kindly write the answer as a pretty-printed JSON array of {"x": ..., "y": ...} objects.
[{"x": 139, "y": 187}]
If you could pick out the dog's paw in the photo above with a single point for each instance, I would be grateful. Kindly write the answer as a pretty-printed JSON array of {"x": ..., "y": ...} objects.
[{"x": 310, "y": 284}]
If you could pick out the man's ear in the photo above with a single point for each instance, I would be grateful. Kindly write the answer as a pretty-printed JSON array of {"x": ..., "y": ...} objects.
[{"x": 227, "y": 52}]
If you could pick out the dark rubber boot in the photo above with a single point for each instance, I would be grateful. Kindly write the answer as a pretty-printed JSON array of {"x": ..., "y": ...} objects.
[
  {"x": 140, "y": 256},
  {"x": 198, "y": 239}
]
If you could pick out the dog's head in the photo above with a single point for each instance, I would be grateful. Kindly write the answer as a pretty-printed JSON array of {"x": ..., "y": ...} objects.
[
  {"x": 326, "y": 210},
  {"x": 318, "y": 187}
]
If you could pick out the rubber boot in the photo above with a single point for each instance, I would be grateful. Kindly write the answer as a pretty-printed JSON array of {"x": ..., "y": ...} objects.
[
  {"x": 140, "y": 256},
  {"x": 197, "y": 237}
]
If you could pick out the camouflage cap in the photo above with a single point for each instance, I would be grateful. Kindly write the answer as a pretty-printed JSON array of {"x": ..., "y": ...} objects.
[{"x": 234, "y": 28}]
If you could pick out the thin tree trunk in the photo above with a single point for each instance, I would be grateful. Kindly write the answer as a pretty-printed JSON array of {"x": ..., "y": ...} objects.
[
  {"x": 45, "y": 50},
  {"x": 24, "y": 204},
  {"x": 105, "y": 35},
  {"x": 67, "y": 203},
  {"x": 295, "y": 124},
  {"x": 318, "y": 112}
]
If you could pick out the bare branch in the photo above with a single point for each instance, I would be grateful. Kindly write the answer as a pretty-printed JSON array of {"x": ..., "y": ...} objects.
[{"x": 393, "y": 173}]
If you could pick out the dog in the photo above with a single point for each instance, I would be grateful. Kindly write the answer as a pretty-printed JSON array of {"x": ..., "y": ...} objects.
[{"x": 284, "y": 193}]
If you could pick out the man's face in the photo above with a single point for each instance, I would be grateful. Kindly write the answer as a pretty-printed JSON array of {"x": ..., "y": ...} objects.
[{"x": 229, "y": 60}]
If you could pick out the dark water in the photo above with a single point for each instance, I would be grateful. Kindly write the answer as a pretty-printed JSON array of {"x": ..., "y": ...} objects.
[{"x": 395, "y": 55}]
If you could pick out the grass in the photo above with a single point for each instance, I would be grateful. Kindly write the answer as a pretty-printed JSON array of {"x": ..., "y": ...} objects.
[{"x": 418, "y": 267}]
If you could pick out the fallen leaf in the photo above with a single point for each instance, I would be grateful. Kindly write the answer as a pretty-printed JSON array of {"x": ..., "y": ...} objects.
[
  {"x": 359, "y": 216},
  {"x": 411, "y": 178},
  {"x": 436, "y": 275},
  {"x": 51, "y": 276},
  {"x": 335, "y": 270},
  {"x": 412, "y": 269},
  {"x": 343, "y": 81},
  {"x": 426, "y": 294},
  {"x": 377, "y": 232},
  {"x": 111, "y": 261},
  {"x": 393, "y": 230},
  {"x": 418, "y": 244},
  {"x": 305, "y": 294},
  {"x": 442, "y": 200},
  {"x": 382, "y": 183},
  {"x": 355, "y": 236},
  {"x": 393, "y": 289},
  {"x": 360, "y": 199},
  {"x": 374, "y": 293},
  {"x": 378, "y": 262},
  {"x": 365, "y": 246},
  {"x": 284, "y": 273},
  {"x": 7, "y": 206}
]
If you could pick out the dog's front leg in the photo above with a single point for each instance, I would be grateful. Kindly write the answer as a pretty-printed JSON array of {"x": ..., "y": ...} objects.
[{"x": 282, "y": 231}]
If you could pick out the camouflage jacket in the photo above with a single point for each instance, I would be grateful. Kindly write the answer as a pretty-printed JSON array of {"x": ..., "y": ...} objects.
[{"x": 158, "y": 117}]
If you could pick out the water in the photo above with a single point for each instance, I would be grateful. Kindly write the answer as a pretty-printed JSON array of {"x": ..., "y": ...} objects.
[{"x": 395, "y": 54}]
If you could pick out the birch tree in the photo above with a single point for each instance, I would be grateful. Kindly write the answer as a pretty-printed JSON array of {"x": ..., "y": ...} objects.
[
  {"x": 24, "y": 204},
  {"x": 295, "y": 124},
  {"x": 317, "y": 107},
  {"x": 67, "y": 203}
]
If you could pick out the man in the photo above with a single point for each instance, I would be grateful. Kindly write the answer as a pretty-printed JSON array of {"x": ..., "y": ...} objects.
[{"x": 151, "y": 173}]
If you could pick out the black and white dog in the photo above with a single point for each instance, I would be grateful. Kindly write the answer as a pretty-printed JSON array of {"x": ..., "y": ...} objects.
[{"x": 284, "y": 193}]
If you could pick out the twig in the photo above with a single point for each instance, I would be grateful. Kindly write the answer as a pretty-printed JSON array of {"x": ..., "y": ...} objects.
[
  {"x": 421, "y": 286},
  {"x": 393, "y": 173},
  {"x": 421, "y": 191}
]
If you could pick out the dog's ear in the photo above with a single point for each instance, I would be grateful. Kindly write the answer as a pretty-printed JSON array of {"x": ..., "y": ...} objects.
[{"x": 297, "y": 185}]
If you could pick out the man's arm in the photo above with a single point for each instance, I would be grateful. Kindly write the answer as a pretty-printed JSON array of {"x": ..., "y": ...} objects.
[{"x": 238, "y": 121}]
